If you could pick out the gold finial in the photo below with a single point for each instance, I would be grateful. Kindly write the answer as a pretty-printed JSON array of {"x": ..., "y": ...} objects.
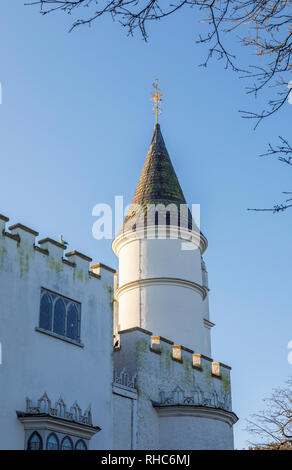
[{"x": 156, "y": 98}]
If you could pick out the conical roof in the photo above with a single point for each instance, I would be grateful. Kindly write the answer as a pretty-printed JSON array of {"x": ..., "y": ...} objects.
[{"x": 158, "y": 184}]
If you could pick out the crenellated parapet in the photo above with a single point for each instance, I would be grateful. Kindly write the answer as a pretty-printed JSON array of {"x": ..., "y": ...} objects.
[
  {"x": 23, "y": 240},
  {"x": 171, "y": 374}
]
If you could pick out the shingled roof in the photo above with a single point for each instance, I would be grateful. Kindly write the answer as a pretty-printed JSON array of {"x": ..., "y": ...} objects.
[{"x": 158, "y": 184}]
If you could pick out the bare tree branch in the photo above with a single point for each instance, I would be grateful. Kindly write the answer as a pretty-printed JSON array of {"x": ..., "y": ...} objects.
[
  {"x": 264, "y": 26},
  {"x": 272, "y": 427},
  {"x": 283, "y": 152}
]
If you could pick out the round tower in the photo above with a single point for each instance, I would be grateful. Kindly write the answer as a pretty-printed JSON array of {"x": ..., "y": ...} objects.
[{"x": 163, "y": 284}]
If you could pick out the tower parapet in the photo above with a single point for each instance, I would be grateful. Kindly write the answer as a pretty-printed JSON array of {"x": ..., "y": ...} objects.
[{"x": 173, "y": 384}]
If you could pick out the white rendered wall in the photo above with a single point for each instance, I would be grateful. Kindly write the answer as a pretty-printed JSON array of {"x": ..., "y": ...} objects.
[
  {"x": 171, "y": 311},
  {"x": 32, "y": 362},
  {"x": 166, "y": 305},
  {"x": 123, "y": 423},
  {"x": 148, "y": 258},
  {"x": 194, "y": 433}
]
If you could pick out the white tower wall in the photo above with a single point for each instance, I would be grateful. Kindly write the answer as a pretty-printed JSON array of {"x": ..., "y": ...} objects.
[{"x": 160, "y": 284}]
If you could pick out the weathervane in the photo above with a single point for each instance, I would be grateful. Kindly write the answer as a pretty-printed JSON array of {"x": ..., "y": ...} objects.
[{"x": 156, "y": 98}]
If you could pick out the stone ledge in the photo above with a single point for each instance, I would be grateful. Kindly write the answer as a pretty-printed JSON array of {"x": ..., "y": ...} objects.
[
  {"x": 136, "y": 328},
  {"x": 62, "y": 338},
  {"x": 68, "y": 263},
  {"x": 53, "y": 242},
  {"x": 41, "y": 250},
  {"x": 103, "y": 266},
  {"x": 46, "y": 421},
  {"x": 15, "y": 237},
  {"x": 77, "y": 253},
  {"x": 23, "y": 227},
  {"x": 96, "y": 276},
  {"x": 197, "y": 411}
]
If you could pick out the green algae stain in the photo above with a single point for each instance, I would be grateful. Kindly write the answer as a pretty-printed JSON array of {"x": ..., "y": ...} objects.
[
  {"x": 24, "y": 257},
  {"x": 56, "y": 265},
  {"x": 142, "y": 348},
  {"x": 187, "y": 363},
  {"x": 225, "y": 380},
  {"x": 166, "y": 358},
  {"x": 3, "y": 253},
  {"x": 80, "y": 275},
  {"x": 208, "y": 376},
  {"x": 110, "y": 292}
]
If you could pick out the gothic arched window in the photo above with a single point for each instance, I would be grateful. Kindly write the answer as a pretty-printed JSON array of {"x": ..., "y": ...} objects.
[
  {"x": 72, "y": 322},
  {"x": 80, "y": 445},
  {"x": 67, "y": 444},
  {"x": 52, "y": 442},
  {"x": 35, "y": 442},
  {"x": 59, "y": 317},
  {"x": 46, "y": 312}
]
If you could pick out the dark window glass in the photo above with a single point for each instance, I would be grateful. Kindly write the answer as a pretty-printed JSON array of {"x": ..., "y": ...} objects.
[
  {"x": 52, "y": 442},
  {"x": 80, "y": 445},
  {"x": 59, "y": 317},
  {"x": 72, "y": 322},
  {"x": 67, "y": 444},
  {"x": 35, "y": 442},
  {"x": 156, "y": 218},
  {"x": 46, "y": 312}
]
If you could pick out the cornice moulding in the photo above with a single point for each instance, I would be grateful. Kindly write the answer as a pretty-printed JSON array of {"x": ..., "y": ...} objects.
[
  {"x": 175, "y": 411},
  {"x": 197, "y": 238},
  {"x": 203, "y": 291}
]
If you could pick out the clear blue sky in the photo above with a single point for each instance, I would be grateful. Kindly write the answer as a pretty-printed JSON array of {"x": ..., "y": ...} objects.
[{"x": 75, "y": 124}]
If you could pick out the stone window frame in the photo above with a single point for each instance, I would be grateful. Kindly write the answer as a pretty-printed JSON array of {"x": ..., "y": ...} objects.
[
  {"x": 68, "y": 302},
  {"x": 57, "y": 439},
  {"x": 35, "y": 433},
  {"x": 83, "y": 442},
  {"x": 71, "y": 442},
  {"x": 44, "y": 435}
]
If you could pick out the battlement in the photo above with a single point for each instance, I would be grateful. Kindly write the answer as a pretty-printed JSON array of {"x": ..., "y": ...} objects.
[
  {"x": 168, "y": 365},
  {"x": 179, "y": 352},
  {"x": 24, "y": 240}
]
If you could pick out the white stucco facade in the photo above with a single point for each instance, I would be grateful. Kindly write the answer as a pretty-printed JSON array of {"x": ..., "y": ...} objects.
[
  {"x": 160, "y": 282},
  {"x": 35, "y": 362}
]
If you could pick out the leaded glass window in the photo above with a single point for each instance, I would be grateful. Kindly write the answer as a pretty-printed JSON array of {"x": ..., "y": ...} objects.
[
  {"x": 60, "y": 315},
  {"x": 52, "y": 442},
  {"x": 46, "y": 312},
  {"x": 67, "y": 444},
  {"x": 80, "y": 445},
  {"x": 72, "y": 322},
  {"x": 35, "y": 442}
]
